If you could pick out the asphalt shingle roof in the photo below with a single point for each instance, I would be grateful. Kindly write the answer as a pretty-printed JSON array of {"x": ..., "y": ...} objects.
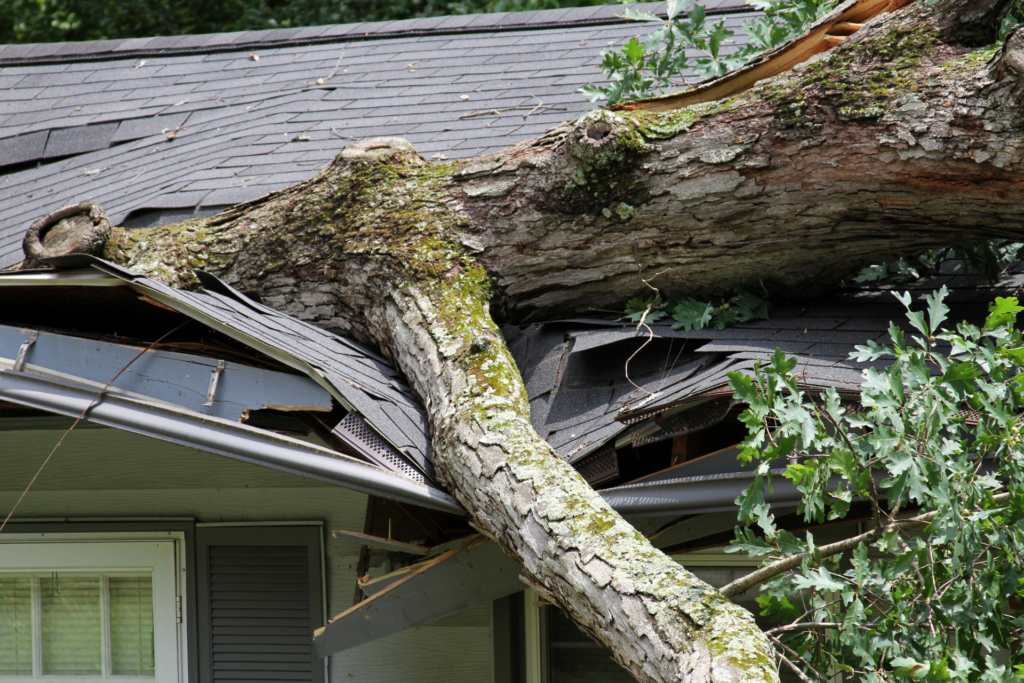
[{"x": 97, "y": 116}]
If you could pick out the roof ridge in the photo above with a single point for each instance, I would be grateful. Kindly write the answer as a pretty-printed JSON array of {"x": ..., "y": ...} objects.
[{"x": 212, "y": 43}]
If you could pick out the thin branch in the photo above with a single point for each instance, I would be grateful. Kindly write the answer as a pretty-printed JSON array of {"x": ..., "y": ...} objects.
[
  {"x": 78, "y": 419},
  {"x": 343, "y": 137},
  {"x": 497, "y": 112},
  {"x": 793, "y": 667},
  {"x": 488, "y": 112},
  {"x": 336, "y": 67},
  {"x": 643, "y": 318},
  {"x": 774, "y": 569},
  {"x": 803, "y": 627},
  {"x": 800, "y": 674}
]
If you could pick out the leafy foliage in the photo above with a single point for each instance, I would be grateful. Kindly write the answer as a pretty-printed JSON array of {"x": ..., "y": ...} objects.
[
  {"x": 688, "y": 47},
  {"x": 42, "y": 21},
  {"x": 931, "y": 592},
  {"x": 693, "y": 314},
  {"x": 1012, "y": 19},
  {"x": 989, "y": 259},
  {"x": 661, "y": 61}
]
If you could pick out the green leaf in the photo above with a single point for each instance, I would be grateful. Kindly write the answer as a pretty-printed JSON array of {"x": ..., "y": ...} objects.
[
  {"x": 910, "y": 668},
  {"x": 691, "y": 314},
  {"x": 1003, "y": 311},
  {"x": 872, "y": 273},
  {"x": 937, "y": 309},
  {"x": 751, "y": 498},
  {"x": 636, "y": 307},
  {"x": 674, "y": 7},
  {"x": 781, "y": 364},
  {"x": 743, "y": 387},
  {"x": 960, "y": 378},
  {"x": 634, "y": 51},
  {"x": 821, "y": 579}
]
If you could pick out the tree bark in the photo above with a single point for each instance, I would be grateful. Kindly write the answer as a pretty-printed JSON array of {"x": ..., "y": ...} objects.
[{"x": 902, "y": 138}]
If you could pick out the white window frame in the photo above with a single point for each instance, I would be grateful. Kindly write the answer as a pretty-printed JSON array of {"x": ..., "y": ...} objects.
[{"x": 159, "y": 554}]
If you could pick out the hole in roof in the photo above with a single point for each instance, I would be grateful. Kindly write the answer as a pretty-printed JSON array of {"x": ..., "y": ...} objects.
[
  {"x": 154, "y": 218},
  {"x": 11, "y": 169}
]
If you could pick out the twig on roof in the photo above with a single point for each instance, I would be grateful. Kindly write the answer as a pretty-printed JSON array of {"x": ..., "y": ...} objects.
[
  {"x": 336, "y": 67},
  {"x": 497, "y": 112},
  {"x": 540, "y": 105},
  {"x": 343, "y": 137},
  {"x": 489, "y": 112}
]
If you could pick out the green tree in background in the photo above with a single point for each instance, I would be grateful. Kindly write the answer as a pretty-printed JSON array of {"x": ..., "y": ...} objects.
[{"x": 44, "y": 21}]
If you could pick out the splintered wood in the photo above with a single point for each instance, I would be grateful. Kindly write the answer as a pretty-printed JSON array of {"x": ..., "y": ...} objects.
[{"x": 829, "y": 31}]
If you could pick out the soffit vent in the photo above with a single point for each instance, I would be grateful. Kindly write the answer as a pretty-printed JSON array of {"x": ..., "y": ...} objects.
[
  {"x": 600, "y": 466},
  {"x": 354, "y": 431}
]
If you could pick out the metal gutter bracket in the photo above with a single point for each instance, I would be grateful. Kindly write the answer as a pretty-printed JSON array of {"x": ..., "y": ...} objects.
[
  {"x": 19, "y": 362},
  {"x": 214, "y": 378}
]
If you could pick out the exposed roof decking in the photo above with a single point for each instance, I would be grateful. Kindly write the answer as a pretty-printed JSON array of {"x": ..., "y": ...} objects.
[{"x": 580, "y": 397}]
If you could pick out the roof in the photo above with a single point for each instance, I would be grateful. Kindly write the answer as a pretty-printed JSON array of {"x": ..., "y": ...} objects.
[
  {"x": 391, "y": 431},
  {"x": 94, "y": 121},
  {"x": 581, "y": 398},
  {"x": 165, "y": 128}
]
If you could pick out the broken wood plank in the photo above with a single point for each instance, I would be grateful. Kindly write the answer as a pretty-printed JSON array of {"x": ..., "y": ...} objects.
[
  {"x": 773, "y": 62},
  {"x": 378, "y": 542},
  {"x": 474, "y": 573}
]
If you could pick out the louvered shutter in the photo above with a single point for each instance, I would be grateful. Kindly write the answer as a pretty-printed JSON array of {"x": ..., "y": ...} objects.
[{"x": 263, "y": 600}]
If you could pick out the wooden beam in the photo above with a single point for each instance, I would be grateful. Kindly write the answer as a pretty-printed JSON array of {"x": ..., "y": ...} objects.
[
  {"x": 473, "y": 573},
  {"x": 378, "y": 542}
]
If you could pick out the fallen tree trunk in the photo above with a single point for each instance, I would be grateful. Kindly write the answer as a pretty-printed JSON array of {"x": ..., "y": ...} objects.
[{"x": 904, "y": 137}]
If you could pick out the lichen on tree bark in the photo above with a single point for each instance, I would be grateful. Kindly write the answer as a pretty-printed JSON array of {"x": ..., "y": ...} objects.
[{"x": 900, "y": 139}]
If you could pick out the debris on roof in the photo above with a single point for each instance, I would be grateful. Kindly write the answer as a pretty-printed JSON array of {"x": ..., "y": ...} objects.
[{"x": 620, "y": 403}]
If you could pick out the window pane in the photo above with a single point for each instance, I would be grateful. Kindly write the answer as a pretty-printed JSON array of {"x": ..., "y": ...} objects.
[
  {"x": 15, "y": 626},
  {"x": 72, "y": 640},
  {"x": 131, "y": 625}
]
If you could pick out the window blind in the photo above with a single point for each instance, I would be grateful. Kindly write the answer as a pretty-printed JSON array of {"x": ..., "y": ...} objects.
[
  {"x": 131, "y": 625},
  {"x": 72, "y": 625},
  {"x": 15, "y": 626}
]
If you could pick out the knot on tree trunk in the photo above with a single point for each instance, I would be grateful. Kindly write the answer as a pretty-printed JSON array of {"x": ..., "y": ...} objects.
[
  {"x": 601, "y": 139},
  {"x": 381, "y": 148},
  {"x": 70, "y": 230},
  {"x": 1013, "y": 53}
]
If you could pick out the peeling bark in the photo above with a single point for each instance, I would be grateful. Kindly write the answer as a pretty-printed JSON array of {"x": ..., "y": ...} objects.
[{"x": 902, "y": 138}]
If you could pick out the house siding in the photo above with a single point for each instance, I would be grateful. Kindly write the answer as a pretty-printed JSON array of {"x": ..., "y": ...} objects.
[{"x": 109, "y": 474}]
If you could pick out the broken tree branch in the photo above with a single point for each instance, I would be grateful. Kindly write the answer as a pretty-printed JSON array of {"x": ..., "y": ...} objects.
[{"x": 774, "y": 569}]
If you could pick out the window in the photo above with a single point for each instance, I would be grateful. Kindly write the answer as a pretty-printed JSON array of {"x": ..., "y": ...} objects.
[{"x": 89, "y": 611}]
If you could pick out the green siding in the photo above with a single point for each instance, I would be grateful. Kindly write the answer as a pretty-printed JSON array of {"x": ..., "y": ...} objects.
[{"x": 105, "y": 473}]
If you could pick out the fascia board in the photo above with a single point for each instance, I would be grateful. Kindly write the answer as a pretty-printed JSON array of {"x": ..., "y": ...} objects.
[
  {"x": 221, "y": 437},
  {"x": 250, "y": 341}
]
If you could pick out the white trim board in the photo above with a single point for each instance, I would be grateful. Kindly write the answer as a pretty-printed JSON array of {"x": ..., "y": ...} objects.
[{"x": 159, "y": 554}]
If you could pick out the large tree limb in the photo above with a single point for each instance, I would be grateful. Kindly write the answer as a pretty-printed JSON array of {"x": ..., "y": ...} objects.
[{"x": 895, "y": 141}]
